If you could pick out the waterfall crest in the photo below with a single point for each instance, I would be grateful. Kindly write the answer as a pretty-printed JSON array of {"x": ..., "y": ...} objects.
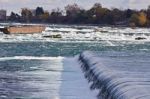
[{"x": 114, "y": 81}]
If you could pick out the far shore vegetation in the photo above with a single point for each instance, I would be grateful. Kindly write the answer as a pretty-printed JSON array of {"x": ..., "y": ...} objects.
[{"x": 74, "y": 14}]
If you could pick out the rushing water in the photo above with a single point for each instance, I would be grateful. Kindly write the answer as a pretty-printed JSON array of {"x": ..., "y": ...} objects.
[{"x": 33, "y": 67}]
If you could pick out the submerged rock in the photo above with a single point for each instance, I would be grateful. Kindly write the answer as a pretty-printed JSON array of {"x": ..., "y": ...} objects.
[
  {"x": 140, "y": 38},
  {"x": 53, "y": 36}
]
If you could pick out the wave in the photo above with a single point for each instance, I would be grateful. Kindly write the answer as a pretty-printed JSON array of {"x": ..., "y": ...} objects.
[
  {"x": 68, "y": 29},
  {"x": 30, "y": 58}
]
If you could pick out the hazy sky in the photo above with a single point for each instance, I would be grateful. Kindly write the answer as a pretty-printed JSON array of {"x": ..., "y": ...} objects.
[{"x": 16, "y": 5}]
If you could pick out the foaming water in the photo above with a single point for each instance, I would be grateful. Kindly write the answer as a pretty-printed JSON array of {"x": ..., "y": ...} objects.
[
  {"x": 81, "y": 34},
  {"x": 28, "y": 58},
  {"x": 117, "y": 75}
]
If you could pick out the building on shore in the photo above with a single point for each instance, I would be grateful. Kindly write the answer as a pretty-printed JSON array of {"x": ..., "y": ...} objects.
[{"x": 3, "y": 15}]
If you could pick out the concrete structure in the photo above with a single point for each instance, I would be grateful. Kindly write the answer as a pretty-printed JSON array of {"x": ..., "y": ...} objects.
[{"x": 27, "y": 29}]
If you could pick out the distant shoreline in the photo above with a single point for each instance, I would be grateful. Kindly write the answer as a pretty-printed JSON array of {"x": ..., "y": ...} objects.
[{"x": 47, "y": 24}]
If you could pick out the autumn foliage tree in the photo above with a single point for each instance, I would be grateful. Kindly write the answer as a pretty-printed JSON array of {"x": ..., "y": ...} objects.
[
  {"x": 142, "y": 19},
  {"x": 138, "y": 19}
]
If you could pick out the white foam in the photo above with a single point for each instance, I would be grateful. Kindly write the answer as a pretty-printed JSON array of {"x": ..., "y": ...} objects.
[
  {"x": 68, "y": 29},
  {"x": 80, "y": 33},
  {"x": 118, "y": 77},
  {"x": 29, "y": 58}
]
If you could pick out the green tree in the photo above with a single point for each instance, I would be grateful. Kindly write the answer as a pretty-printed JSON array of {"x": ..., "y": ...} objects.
[
  {"x": 134, "y": 20},
  {"x": 117, "y": 15},
  {"x": 39, "y": 11},
  {"x": 14, "y": 17},
  {"x": 95, "y": 13},
  {"x": 99, "y": 15}
]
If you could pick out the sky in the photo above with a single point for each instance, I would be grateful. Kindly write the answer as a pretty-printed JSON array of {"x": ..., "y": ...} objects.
[{"x": 16, "y": 5}]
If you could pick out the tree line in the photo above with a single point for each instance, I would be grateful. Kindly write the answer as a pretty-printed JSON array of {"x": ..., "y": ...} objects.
[{"x": 74, "y": 14}]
